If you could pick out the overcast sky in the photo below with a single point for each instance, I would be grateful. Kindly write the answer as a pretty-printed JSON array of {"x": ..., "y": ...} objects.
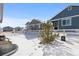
[{"x": 17, "y": 14}]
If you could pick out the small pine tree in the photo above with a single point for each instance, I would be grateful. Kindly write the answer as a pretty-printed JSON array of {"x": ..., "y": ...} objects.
[{"x": 46, "y": 34}]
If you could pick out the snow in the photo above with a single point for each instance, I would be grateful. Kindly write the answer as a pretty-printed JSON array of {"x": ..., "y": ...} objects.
[
  {"x": 26, "y": 47},
  {"x": 29, "y": 45},
  {"x": 60, "y": 48}
]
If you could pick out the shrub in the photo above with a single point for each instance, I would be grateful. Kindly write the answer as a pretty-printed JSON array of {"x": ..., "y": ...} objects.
[{"x": 47, "y": 36}]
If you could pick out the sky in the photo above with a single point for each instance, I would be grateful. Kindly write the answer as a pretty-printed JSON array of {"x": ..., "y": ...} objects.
[{"x": 18, "y": 14}]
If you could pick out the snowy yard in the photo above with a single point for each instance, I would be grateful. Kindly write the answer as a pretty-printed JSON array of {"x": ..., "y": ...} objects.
[{"x": 29, "y": 46}]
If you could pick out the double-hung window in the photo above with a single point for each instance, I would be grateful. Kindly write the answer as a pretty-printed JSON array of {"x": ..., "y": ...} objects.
[{"x": 66, "y": 21}]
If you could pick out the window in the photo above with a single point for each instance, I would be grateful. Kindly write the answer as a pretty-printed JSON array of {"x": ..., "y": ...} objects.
[
  {"x": 69, "y": 8},
  {"x": 66, "y": 21}
]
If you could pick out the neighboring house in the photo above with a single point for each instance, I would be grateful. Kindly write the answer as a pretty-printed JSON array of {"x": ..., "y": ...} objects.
[
  {"x": 28, "y": 26},
  {"x": 7, "y": 29},
  {"x": 67, "y": 19},
  {"x": 16, "y": 29},
  {"x": 33, "y": 25},
  {"x": 1, "y": 12}
]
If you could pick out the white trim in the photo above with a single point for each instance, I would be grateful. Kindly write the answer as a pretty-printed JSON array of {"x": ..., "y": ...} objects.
[
  {"x": 64, "y": 17},
  {"x": 58, "y": 25},
  {"x": 61, "y": 30},
  {"x": 67, "y": 18},
  {"x": 55, "y": 19}
]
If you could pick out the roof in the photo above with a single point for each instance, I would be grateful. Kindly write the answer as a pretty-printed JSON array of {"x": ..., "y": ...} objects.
[
  {"x": 66, "y": 12},
  {"x": 27, "y": 23},
  {"x": 1, "y": 12},
  {"x": 34, "y": 21}
]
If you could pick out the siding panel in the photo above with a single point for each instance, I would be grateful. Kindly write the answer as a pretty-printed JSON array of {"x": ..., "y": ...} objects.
[
  {"x": 66, "y": 13},
  {"x": 75, "y": 24}
]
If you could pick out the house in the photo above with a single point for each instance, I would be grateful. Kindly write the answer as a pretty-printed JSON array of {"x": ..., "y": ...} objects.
[
  {"x": 33, "y": 25},
  {"x": 7, "y": 29},
  {"x": 18, "y": 29},
  {"x": 28, "y": 26},
  {"x": 67, "y": 19},
  {"x": 1, "y": 12}
]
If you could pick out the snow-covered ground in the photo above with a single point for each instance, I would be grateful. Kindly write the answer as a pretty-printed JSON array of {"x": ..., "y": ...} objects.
[
  {"x": 26, "y": 46},
  {"x": 29, "y": 46},
  {"x": 60, "y": 48}
]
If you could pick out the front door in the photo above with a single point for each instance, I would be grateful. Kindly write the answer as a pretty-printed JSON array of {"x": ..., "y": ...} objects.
[{"x": 55, "y": 24}]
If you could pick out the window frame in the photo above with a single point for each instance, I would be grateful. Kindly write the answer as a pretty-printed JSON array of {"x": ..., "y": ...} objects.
[
  {"x": 70, "y": 8},
  {"x": 67, "y": 18}
]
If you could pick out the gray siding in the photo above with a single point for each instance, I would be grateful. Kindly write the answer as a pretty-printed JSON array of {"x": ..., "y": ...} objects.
[
  {"x": 66, "y": 13},
  {"x": 75, "y": 24}
]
